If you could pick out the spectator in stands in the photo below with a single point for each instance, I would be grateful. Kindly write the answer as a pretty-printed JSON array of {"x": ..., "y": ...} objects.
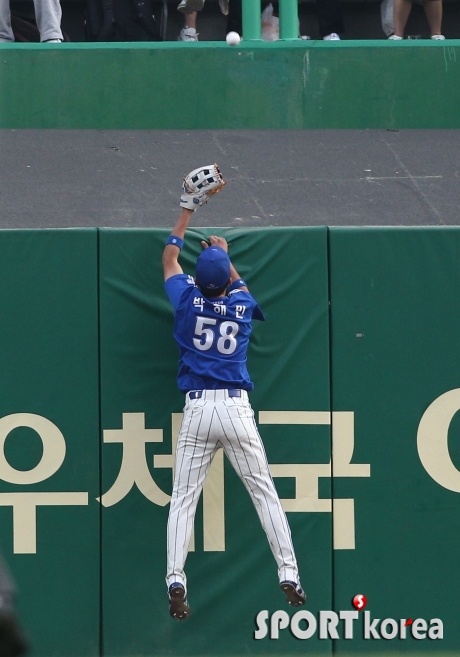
[
  {"x": 330, "y": 19},
  {"x": 402, "y": 9},
  {"x": 189, "y": 8},
  {"x": 48, "y": 16},
  {"x": 329, "y": 14}
]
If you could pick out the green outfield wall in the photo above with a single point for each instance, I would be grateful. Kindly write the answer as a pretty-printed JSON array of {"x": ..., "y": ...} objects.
[
  {"x": 210, "y": 85},
  {"x": 357, "y": 389}
]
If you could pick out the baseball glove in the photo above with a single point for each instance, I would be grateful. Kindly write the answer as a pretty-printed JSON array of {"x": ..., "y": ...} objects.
[{"x": 199, "y": 185}]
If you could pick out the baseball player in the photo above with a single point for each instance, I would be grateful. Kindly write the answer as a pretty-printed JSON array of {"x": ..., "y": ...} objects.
[{"x": 213, "y": 316}]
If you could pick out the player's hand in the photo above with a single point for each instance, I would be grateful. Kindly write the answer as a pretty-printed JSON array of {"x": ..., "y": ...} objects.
[{"x": 216, "y": 241}]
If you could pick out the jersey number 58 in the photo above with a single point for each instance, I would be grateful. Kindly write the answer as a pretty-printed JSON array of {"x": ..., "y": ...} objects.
[{"x": 226, "y": 342}]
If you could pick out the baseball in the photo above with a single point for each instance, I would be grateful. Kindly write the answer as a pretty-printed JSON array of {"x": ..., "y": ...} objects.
[{"x": 233, "y": 38}]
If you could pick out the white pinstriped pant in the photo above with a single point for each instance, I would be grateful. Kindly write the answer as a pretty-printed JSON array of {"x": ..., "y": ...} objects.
[{"x": 217, "y": 420}]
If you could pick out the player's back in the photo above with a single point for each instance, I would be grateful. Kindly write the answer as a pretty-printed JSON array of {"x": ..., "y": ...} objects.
[{"x": 213, "y": 337}]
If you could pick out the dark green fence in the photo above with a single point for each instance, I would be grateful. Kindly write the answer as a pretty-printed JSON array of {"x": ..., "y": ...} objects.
[
  {"x": 210, "y": 85},
  {"x": 357, "y": 389}
]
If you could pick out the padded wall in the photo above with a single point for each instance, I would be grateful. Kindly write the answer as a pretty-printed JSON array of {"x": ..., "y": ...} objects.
[
  {"x": 395, "y": 362},
  {"x": 356, "y": 373},
  {"x": 231, "y": 572},
  {"x": 49, "y": 428}
]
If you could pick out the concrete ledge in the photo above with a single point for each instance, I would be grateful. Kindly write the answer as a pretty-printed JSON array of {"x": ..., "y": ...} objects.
[{"x": 297, "y": 84}]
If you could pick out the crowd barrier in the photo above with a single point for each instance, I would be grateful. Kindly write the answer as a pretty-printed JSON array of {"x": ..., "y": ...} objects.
[
  {"x": 210, "y": 85},
  {"x": 356, "y": 395}
]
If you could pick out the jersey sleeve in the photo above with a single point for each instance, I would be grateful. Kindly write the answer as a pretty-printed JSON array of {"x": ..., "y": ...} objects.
[{"x": 175, "y": 287}]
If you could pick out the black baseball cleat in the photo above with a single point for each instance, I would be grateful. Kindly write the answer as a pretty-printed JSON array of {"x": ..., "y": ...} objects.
[
  {"x": 294, "y": 593},
  {"x": 178, "y": 605}
]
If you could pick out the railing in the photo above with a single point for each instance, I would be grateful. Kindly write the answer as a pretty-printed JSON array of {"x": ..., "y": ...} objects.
[{"x": 288, "y": 14}]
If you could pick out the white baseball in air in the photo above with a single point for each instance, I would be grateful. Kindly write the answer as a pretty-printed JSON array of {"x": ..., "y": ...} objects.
[{"x": 233, "y": 38}]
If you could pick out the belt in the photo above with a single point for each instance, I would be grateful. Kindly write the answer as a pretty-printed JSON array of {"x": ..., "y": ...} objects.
[{"x": 197, "y": 394}]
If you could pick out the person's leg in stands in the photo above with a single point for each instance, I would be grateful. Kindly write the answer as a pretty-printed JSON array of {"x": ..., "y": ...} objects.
[
  {"x": 188, "y": 32},
  {"x": 6, "y": 33},
  {"x": 433, "y": 11},
  {"x": 48, "y": 14},
  {"x": 330, "y": 18},
  {"x": 190, "y": 20},
  {"x": 401, "y": 11},
  {"x": 189, "y": 8}
]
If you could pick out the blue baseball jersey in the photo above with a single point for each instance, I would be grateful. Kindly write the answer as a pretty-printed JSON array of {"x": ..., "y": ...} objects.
[{"x": 212, "y": 335}]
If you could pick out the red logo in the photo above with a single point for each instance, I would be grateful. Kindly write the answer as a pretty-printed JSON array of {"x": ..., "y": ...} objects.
[{"x": 359, "y": 601}]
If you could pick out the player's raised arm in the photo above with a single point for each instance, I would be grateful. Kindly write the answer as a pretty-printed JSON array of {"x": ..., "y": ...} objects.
[
  {"x": 197, "y": 187},
  {"x": 174, "y": 244},
  {"x": 236, "y": 282}
]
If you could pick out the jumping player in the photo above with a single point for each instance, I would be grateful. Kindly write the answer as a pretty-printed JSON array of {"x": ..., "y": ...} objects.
[{"x": 212, "y": 325}]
